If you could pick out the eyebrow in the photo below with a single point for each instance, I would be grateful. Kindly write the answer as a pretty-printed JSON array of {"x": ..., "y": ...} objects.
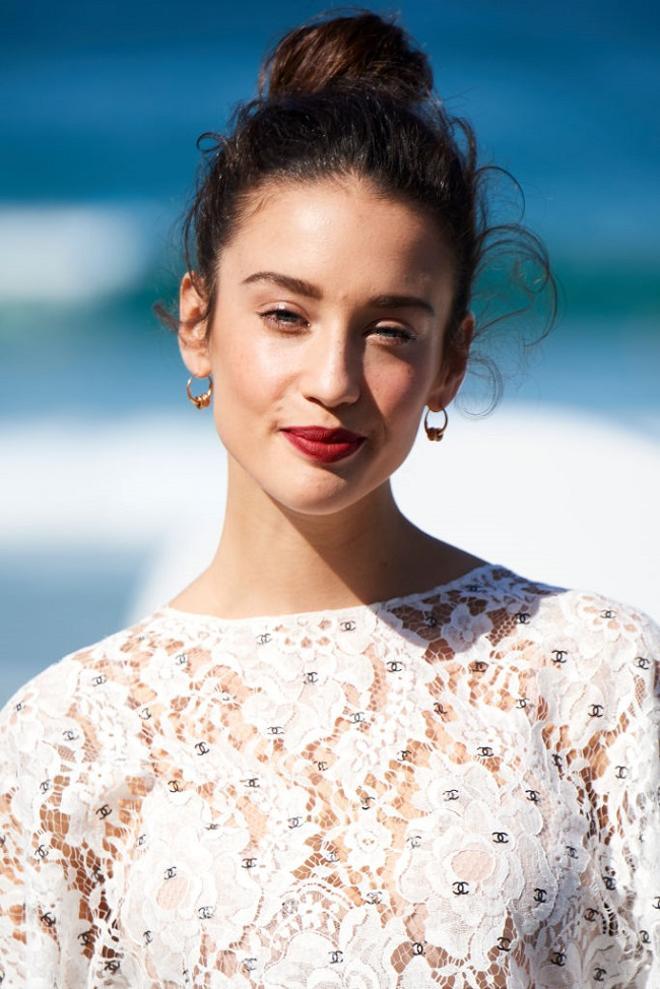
[{"x": 301, "y": 287}]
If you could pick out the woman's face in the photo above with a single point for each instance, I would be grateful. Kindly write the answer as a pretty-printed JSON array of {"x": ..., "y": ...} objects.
[{"x": 331, "y": 304}]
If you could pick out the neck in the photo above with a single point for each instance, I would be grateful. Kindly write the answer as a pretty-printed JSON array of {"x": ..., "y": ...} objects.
[{"x": 272, "y": 560}]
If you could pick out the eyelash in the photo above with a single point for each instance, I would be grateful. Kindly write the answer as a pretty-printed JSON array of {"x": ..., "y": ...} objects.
[{"x": 271, "y": 315}]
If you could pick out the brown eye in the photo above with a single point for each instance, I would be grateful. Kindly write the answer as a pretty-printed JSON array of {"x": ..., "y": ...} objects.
[
  {"x": 277, "y": 316},
  {"x": 398, "y": 331}
]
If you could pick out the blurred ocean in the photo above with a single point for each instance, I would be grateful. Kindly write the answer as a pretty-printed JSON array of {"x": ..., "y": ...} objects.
[{"x": 106, "y": 464}]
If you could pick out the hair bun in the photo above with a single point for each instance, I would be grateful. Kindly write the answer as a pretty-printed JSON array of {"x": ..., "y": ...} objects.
[{"x": 364, "y": 48}]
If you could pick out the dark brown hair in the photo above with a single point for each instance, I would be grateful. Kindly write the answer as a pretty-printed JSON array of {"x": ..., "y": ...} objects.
[{"x": 353, "y": 96}]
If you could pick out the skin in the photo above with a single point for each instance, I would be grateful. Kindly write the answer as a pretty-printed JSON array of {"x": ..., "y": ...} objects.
[{"x": 300, "y": 535}]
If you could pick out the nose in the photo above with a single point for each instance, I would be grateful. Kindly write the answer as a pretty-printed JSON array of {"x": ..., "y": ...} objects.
[{"x": 333, "y": 368}]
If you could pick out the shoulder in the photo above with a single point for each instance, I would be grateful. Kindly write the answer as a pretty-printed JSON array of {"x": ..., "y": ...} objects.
[
  {"x": 79, "y": 696},
  {"x": 76, "y": 737},
  {"x": 568, "y": 633},
  {"x": 587, "y": 614},
  {"x": 596, "y": 659},
  {"x": 600, "y": 625}
]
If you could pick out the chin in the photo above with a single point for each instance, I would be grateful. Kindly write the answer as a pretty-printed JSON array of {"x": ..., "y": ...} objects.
[{"x": 318, "y": 502}]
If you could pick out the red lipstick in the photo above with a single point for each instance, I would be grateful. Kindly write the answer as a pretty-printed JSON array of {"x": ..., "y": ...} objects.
[{"x": 325, "y": 445}]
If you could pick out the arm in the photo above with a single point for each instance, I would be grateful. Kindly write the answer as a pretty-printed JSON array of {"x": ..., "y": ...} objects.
[
  {"x": 624, "y": 789},
  {"x": 19, "y": 939},
  {"x": 51, "y": 878}
]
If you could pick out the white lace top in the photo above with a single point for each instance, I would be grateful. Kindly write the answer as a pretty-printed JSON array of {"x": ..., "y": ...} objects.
[{"x": 447, "y": 789}]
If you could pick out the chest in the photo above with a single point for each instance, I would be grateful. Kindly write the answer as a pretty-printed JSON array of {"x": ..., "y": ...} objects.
[{"x": 338, "y": 820}]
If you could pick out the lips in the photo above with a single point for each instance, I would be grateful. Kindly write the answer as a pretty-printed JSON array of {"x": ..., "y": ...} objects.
[
  {"x": 320, "y": 435},
  {"x": 324, "y": 445}
]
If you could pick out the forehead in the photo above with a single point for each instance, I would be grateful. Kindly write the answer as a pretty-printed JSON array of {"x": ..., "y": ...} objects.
[{"x": 344, "y": 229}]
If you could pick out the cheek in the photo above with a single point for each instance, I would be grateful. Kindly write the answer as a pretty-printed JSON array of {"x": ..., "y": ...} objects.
[
  {"x": 249, "y": 374},
  {"x": 397, "y": 390}
]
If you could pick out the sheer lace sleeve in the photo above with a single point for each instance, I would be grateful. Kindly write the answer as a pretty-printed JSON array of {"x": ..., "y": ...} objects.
[
  {"x": 621, "y": 773},
  {"x": 54, "y": 867},
  {"x": 13, "y": 853},
  {"x": 28, "y": 955}
]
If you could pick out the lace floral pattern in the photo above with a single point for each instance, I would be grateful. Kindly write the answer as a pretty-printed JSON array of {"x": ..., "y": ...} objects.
[{"x": 456, "y": 788}]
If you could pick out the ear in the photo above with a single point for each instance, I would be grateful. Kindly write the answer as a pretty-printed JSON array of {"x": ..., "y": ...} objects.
[
  {"x": 193, "y": 345},
  {"x": 453, "y": 366}
]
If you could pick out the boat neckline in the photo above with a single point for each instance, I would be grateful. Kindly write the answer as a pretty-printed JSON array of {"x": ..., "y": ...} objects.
[{"x": 387, "y": 604}]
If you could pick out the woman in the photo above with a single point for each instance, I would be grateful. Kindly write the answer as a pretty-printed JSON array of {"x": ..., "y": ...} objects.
[{"x": 348, "y": 753}]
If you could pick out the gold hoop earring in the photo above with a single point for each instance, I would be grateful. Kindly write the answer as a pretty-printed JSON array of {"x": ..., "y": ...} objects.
[
  {"x": 435, "y": 432},
  {"x": 200, "y": 401}
]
